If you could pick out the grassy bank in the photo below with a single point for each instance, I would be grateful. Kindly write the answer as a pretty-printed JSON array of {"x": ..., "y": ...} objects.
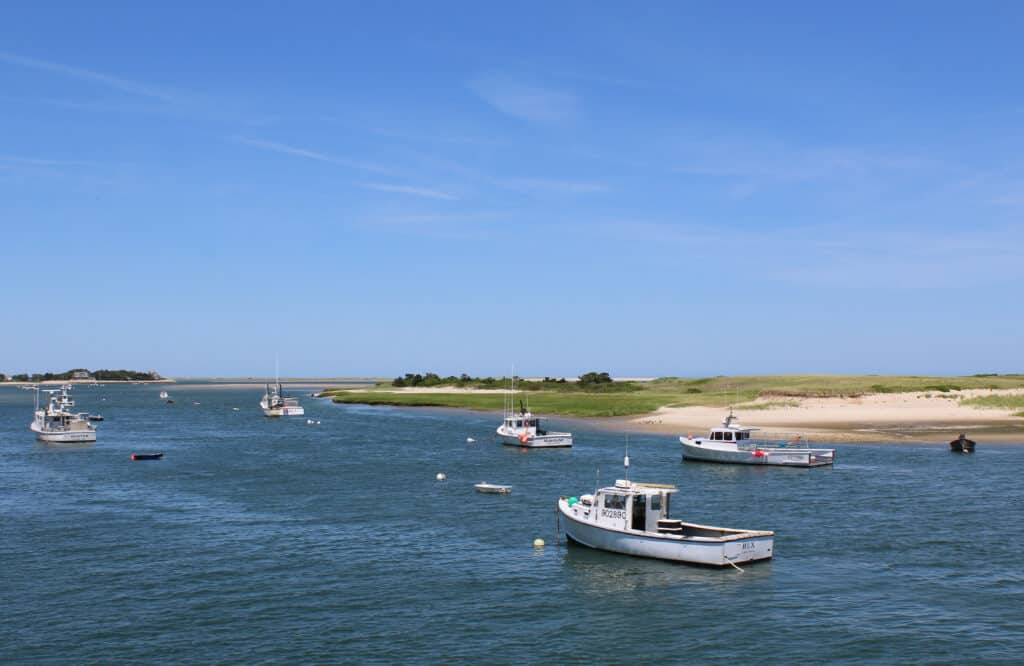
[
  {"x": 997, "y": 402},
  {"x": 645, "y": 397}
]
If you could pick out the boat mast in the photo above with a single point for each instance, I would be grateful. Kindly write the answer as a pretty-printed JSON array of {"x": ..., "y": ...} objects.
[{"x": 512, "y": 396}]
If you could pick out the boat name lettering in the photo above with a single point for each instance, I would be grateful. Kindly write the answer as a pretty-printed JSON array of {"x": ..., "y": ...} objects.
[
  {"x": 613, "y": 513},
  {"x": 747, "y": 546}
]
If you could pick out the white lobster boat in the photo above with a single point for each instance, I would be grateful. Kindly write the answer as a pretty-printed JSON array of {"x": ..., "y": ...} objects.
[
  {"x": 522, "y": 428},
  {"x": 732, "y": 443},
  {"x": 633, "y": 519},
  {"x": 58, "y": 424},
  {"x": 274, "y": 403}
]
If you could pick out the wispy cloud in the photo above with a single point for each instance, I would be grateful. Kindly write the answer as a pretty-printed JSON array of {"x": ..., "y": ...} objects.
[
  {"x": 551, "y": 186},
  {"x": 525, "y": 101},
  {"x": 285, "y": 149},
  {"x": 115, "y": 82},
  {"x": 410, "y": 190}
]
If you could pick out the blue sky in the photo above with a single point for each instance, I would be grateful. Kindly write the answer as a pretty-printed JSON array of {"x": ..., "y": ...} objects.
[{"x": 371, "y": 188}]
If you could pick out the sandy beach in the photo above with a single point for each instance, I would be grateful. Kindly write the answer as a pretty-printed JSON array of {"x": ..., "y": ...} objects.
[{"x": 869, "y": 418}]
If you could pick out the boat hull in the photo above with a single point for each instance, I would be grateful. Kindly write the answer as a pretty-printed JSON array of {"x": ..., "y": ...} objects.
[
  {"x": 962, "y": 446},
  {"x": 68, "y": 437},
  {"x": 552, "y": 441},
  {"x": 708, "y": 551},
  {"x": 287, "y": 410},
  {"x": 780, "y": 457},
  {"x": 492, "y": 489}
]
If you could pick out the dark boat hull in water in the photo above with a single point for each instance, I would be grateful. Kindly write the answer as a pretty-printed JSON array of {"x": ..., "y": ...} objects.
[{"x": 962, "y": 445}]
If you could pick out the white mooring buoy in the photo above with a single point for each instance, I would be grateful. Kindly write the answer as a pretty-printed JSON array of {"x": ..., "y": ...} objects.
[
  {"x": 441, "y": 476},
  {"x": 538, "y": 543}
]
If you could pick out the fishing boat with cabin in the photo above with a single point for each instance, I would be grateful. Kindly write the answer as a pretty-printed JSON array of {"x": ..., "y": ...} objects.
[
  {"x": 523, "y": 428},
  {"x": 57, "y": 424},
  {"x": 734, "y": 443},
  {"x": 633, "y": 519},
  {"x": 274, "y": 402}
]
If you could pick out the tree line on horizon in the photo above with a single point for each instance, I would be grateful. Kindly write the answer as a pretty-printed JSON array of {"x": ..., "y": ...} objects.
[
  {"x": 589, "y": 381},
  {"x": 98, "y": 375}
]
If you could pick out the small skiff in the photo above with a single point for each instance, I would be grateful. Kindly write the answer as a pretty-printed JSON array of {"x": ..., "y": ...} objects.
[{"x": 492, "y": 488}]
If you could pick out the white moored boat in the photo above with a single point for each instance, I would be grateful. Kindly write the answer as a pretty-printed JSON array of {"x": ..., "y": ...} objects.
[
  {"x": 522, "y": 428},
  {"x": 733, "y": 443},
  {"x": 492, "y": 488},
  {"x": 274, "y": 403},
  {"x": 163, "y": 395},
  {"x": 58, "y": 424},
  {"x": 633, "y": 519}
]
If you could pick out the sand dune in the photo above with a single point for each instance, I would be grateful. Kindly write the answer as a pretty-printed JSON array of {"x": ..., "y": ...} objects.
[{"x": 913, "y": 416}]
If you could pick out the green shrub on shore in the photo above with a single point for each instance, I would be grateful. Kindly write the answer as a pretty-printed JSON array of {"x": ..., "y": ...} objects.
[
  {"x": 996, "y": 402},
  {"x": 771, "y": 404}
]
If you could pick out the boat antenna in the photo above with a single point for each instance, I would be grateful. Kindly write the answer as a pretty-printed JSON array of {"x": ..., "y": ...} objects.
[{"x": 625, "y": 461}]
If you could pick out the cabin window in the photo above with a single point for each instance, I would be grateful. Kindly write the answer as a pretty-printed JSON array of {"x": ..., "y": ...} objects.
[
  {"x": 519, "y": 424},
  {"x": 615, "y": 501},
  {"x": 728, "y": 436},
  {"x": 655, "y": 503},
  {"x": 743, "y": 435},
  {"x": 716, "y": 435}
]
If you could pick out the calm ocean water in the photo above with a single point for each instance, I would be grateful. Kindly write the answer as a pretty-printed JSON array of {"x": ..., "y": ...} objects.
[{"x": 259, "y": 540}]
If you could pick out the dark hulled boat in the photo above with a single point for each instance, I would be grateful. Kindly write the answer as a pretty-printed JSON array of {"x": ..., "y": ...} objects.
[{"x": 962, "y": 444}]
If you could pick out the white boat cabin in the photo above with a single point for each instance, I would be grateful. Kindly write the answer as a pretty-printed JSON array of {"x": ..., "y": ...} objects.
[
  {"x": 643, "y": 507},
  {"x": 523, "y": 423},
  {"x": 730, "y": 432}
]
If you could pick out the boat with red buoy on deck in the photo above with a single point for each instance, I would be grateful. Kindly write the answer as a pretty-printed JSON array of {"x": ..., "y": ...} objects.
[
  {"x": 523, "y": 428},
  {"x": 733, "y": 443}
]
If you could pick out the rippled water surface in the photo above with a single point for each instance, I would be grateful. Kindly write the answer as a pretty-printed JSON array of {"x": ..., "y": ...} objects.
[{"x": 270, "y": 540}]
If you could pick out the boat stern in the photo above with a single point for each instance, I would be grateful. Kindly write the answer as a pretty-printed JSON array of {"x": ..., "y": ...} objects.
[{"x": 757, "y": 546}]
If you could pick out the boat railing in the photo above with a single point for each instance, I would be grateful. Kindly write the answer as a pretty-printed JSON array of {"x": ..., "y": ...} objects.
[{"x": 776, "y": 439}]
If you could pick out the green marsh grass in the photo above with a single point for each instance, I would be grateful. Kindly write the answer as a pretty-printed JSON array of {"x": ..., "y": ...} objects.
[{"x": 631, "y": 398}]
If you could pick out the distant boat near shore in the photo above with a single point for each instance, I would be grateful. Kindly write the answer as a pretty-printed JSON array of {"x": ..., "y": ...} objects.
[
  {"x": 523, "y": 428},
  {"x": 732, "y": 443},
  {"x": 962, "y": 444}
]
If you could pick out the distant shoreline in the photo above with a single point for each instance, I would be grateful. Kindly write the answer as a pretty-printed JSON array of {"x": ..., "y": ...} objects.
[
  {"x": 58, "y": 382},
  {"x": 847, "y": 433},
  {"x": 937, "y": 414}
]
